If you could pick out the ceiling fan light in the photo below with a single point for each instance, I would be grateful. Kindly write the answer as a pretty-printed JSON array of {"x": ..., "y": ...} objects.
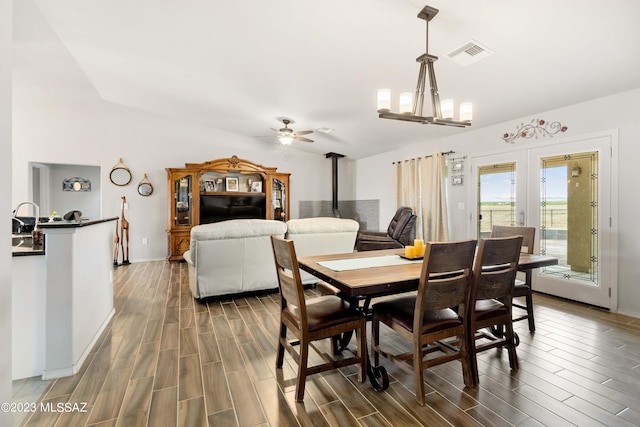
[
  {"x": 285, "y": 140},
  {"x": 406, "y": 103},
  {"x": 466, "y": 112},
  {"x": 447, "y": 108},
  {"x": 384, "y": 99}
]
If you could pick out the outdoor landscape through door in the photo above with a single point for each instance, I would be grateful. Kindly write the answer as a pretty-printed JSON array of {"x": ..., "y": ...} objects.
[{"x": 564, "y": 190}]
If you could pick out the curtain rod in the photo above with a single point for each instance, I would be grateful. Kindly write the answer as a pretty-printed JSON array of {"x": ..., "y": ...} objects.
[{"x": 446, "y": 153}]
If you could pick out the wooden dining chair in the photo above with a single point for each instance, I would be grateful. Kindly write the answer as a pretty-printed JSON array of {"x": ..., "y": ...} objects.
[
  {"x": 426, "y": 319},
  {"x": 490, "y": 299},
  {"x": 312, "y": 320},
  {"x": 522, "y": 288}
]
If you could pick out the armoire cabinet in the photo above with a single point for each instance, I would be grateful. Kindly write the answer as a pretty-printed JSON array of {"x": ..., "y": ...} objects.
[{"x": 219, "y": 190}]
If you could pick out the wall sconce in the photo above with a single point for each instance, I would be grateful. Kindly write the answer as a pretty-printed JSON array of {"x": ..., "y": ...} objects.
[{"x": 576, "y": 171}]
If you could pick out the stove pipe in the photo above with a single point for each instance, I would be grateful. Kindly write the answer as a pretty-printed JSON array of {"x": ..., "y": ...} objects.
[{"x": 334, "y": 181}]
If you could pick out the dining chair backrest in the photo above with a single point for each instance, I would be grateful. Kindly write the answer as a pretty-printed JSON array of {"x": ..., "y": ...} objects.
[
  {"x": 445, "y": 277},
  {"x": 528, "y": 235},
  {"x": 495, "y": 268},
  {"x": 289, "y": 281}
]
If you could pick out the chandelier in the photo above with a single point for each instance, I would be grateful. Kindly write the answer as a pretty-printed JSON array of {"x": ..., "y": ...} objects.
[{"x": 411, "y": 106}]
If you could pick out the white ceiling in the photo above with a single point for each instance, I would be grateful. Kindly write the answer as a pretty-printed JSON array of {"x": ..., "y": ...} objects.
[{"x": 239, "y": 65}]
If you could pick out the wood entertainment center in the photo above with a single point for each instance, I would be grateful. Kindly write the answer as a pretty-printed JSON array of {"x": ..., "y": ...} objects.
[{"x": 219, "y": 190}]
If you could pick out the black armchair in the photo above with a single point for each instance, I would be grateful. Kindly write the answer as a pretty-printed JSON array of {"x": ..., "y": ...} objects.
[{"x": 401, "y": 232}]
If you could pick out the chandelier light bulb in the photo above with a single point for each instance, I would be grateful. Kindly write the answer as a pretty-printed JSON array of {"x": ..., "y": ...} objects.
[
  {"x": 406, "y": 103},
  {"x": 384, "y": 99},
  {"x": 466, "y": 111},
  {"x": 447, "y": 109}
]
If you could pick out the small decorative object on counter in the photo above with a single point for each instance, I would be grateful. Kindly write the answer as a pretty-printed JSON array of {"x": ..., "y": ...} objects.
[{"x": 37, "y": 239}]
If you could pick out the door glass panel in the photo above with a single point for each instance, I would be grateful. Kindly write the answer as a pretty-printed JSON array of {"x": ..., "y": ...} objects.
[
  {"x": 182, "y": 215},
  {"x": 569, "y": 215},
  {"x": 496, "y": 197},
  {"x": 278, "y": 200}
]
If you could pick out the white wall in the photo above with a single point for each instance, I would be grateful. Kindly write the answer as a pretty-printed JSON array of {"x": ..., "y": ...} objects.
[
  {"x": 59, "y": 118},
  {"x": 147, "y": 144},
  {"x": 5, "y": 205},
  {"x": 619, "y": 111}
]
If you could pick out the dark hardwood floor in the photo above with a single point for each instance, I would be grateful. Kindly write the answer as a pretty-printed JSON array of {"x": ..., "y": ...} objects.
[{"x": 167, "y": 359}]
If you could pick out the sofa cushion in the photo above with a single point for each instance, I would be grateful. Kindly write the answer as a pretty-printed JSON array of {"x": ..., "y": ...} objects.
[
  {"x": 237, "y": 229},
  {"x": 321, "y": 225},
  {"x": 321, "y": 236}
]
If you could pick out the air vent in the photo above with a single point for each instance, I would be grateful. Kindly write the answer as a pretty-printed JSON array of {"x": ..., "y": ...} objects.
[{"x": 469, "y": 53}]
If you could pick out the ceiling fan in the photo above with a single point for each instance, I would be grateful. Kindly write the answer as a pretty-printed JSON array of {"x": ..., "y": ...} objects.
[{"x": 286, "y": 135}]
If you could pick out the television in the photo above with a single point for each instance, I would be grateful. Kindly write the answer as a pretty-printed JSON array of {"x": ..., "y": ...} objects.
[{"x": 224, "y": 207}]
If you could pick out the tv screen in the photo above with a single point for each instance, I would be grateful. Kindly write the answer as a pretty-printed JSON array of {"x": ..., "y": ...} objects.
[{"x": 221, "y": 208}]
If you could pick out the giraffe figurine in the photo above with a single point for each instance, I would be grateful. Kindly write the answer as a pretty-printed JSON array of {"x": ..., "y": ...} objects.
[
  {"x": 124, "y": 233},
  {"x": 116, "y": 244}
]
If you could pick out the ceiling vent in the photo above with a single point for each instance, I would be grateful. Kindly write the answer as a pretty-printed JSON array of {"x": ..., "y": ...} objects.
[{"x": 469, "y": 53}]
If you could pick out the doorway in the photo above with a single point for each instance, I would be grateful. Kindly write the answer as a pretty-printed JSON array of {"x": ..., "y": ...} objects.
[{"x": 566, "y": 191}]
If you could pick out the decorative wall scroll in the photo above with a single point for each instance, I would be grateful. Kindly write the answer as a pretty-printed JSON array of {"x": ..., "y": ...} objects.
[
  {"x": 534, "y": 129},
  {"x": 76, "y": 184}
]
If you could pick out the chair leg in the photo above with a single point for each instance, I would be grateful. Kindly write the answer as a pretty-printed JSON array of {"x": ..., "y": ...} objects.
[
  {"x": 511, "y": 347},
  {"x": 418, "y": 371},
  {"x": 283, "y": 337},
  {"x": 467, "y": 372},
  {"x": 302, "y": 371},
  {"x": 532, "y": 323},
  {"x": 473, "y": 358}
]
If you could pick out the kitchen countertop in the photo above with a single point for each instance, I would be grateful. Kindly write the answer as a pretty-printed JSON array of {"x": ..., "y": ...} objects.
[
  {"x": 74, "y": 224},
  {"x": 27, "y": 250}
]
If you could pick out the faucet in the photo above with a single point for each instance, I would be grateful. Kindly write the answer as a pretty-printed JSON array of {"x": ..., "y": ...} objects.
[{"x": 37, "y": 208}]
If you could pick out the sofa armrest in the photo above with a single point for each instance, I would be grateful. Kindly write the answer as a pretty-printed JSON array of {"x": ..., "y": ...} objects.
[
  {"x": 187, "y": 257},
  {"x": 372, "y": 234}
]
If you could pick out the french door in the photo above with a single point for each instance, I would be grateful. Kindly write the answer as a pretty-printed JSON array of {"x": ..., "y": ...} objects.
[{"x": 563, "y": 189}]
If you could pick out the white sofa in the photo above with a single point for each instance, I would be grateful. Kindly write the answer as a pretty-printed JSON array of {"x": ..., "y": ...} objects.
[
  {"x": 232, "y": 257},
  {"x": 235, "y": 256},
  {"x": 321, "y": 236}
]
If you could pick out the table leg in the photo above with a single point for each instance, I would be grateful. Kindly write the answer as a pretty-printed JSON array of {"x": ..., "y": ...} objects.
[{"x": 377, "y": 374}]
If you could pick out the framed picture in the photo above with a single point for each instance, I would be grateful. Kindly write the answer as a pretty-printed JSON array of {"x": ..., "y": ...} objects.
[
  {"x": 209, "y": 185},
  {"x": 232, "y": 183},
  {"x": 456, "y": 180},
  {"x": 457, "y": 166},
  {"x": 256, "y": 187}
]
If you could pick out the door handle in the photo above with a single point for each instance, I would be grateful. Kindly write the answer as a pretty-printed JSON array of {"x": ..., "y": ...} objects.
[{"x": 522, "y": 218}]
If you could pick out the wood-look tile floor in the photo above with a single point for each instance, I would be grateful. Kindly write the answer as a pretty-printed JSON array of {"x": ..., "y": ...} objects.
[{"x": 167, "y": 359}]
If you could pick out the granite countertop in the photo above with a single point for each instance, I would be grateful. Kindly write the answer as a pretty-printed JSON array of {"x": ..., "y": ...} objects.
[{"x": 74, "y": 224}]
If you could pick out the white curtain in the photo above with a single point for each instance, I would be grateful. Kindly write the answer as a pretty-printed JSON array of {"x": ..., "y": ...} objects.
[{"x": 421, "y": 185}]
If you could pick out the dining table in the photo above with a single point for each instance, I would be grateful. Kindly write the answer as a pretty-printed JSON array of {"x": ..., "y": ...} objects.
[{"x": 361, "y": 276}]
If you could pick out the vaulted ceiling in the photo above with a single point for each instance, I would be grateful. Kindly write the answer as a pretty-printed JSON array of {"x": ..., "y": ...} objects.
[{"x": 240, "y": 65}]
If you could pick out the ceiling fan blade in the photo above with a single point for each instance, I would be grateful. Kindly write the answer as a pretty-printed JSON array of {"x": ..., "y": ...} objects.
[
  {"x": 304, "y": 132},
  {"x": 301, "y": 138}
]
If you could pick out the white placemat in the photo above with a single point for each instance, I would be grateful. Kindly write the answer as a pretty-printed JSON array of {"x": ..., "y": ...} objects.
[{"x": 359, "y": 263}]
